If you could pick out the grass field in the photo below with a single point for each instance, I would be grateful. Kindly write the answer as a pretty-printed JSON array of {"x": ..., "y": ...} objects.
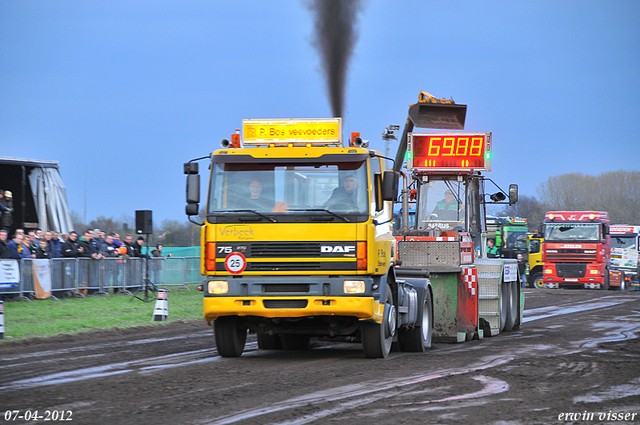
[{"x": 38, "y": 318}]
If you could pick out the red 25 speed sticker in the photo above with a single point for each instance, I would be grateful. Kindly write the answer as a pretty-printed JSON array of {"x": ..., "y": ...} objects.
[{"x": 235, "y": 263}]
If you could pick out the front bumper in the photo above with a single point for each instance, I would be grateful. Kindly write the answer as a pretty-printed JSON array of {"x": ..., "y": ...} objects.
[{"x": 364, "y": 308}]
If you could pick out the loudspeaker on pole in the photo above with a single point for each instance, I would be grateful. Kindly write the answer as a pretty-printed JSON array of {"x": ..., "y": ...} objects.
[
  {"x": 161, "y": 309},
  {"x": 144, "y": 223},
  {"x": 1, "y": 320}
]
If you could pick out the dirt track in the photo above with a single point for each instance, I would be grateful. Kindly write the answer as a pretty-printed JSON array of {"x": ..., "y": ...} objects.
[{"x": 578, "y": 352}]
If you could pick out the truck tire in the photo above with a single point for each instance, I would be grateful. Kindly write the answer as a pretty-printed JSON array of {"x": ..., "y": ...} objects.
[
  {"x": 504, "y": 304},
  {"x": 623, "y": 283},
  {"x": 418, "y": 339},
  {"x": 537, "y": 281},
  {"x": 512, "y": 306},
  {"x": 230, "y": 336},
  {"x": 377, "y": 338},
  {"x": 294, "y": 342},
  {"x": 269, "y": 342},
  {"x": 607, "y": 278}
]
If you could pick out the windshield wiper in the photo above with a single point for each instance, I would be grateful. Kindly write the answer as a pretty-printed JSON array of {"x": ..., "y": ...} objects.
[
  {"x": 273, "y": 220},
  {"x": 323, "y": 210}
]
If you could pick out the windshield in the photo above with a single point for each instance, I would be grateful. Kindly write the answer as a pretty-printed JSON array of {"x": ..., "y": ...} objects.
[
  {"x": 270, "y": 188},
  {"x": 516, "y": 238},
  {"x": 572, "y": 232},
  {"x": 441, "y": 205},
  {"x": 626, "y": 242}
]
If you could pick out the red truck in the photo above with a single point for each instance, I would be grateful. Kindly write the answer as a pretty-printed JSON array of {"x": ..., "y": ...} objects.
[{"x": 576, "y": 249}]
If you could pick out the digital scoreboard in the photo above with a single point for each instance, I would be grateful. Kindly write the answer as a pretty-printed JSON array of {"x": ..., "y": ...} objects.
[{"x": 449, "y": 151}]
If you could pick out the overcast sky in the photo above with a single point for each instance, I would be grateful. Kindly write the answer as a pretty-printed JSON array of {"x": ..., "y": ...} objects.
[{"x": 122, "y": 93}]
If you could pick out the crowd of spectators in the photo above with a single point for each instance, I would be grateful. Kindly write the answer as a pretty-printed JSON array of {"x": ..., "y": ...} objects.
[{"x": 92, "y": 244}]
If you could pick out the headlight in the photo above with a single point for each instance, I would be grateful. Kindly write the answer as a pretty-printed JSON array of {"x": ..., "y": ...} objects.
[
  {"x": 217, "y": 287},
  {"x": 548, "y": 271},
  {"x": 354, "y": 287},
  {"x": 594, "y": 271}
]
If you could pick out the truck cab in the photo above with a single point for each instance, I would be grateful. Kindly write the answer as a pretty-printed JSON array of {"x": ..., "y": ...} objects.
[
  {"x": 297, "y": 242},
  {"x": 576, "y": 249},
  {"x": 625, "y": 261}
]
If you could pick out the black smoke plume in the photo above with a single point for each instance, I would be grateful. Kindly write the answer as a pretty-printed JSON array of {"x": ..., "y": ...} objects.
[{"x": 335, "y": 38}]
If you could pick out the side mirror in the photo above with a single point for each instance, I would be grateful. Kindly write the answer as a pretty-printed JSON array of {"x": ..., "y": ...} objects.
[
  {"x": 192, "y": 209},
  {"x": 191, "y": 168},
  {"x": 513, "y": 194},
  {"x": 193, "y": 189},
  {"x": 389, "y": 186}
]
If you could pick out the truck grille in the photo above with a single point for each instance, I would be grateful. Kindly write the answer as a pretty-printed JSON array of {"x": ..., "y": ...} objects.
[
  {"x": 279, "y": 266},
  {"x": 285, "y": 249},
  {"x": 571, "y": 255},
  {"x": 296, "y": 304},
  {"x": 571, "y": 270}
]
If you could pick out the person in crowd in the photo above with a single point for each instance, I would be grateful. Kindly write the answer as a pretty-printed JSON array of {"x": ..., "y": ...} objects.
[
  {"x": 109, "y": 250},
  {"x": 55, "y": 245},
  {"x": 17, "y": 248},
  {"x": 156, "y": 263},
  {"x": 48, "y": 236},
  {"x": 6, "y": 210},
  {"x": 116, "y": 240},
  {"x": 522, "y": 270},
  {"x": 5, "y": 252},
  {"x": 39, "y": 234},
  {"x": 492, "y": 249},
  {"x": 43, "y": 249},
  {"x": 128, "y": 244},
  {"x": 137, "y": 248},
  {"x": 71, "y": 247},
  {"x": 29, "y": 243},
  {"x": 99, "y": 236},
  {"x": 87, "y": 249},
  {"x": 21, "y": 231},
  {"x": 157, "y": 252}
]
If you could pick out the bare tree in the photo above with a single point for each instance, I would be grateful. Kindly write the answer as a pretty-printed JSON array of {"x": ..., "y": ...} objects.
[
  {"x": 617, "y": 192},
  {"x": 527, "y": 207}
]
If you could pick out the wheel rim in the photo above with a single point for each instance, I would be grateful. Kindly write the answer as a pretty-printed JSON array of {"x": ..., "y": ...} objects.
[
  {"x": 390, "y": 330},
  {"x": 504, "y": 306},
  {"x": 426, "y": 322}
]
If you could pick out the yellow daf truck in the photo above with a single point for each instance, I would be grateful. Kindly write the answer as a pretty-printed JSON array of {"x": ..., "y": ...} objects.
[{"x": 297, "y": 242}]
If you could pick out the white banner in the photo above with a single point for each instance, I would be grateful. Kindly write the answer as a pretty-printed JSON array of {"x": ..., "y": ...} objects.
[
  {"x": 9, "y": 274},
  {"x": 42, "y": 278}
]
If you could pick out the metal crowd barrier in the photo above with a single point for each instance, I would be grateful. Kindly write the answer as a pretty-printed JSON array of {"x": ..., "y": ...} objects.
[{"x": 90, "y": 276}]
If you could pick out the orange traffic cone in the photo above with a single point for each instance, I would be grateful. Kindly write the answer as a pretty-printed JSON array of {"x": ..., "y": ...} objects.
[{"x": 161, "y": 310}]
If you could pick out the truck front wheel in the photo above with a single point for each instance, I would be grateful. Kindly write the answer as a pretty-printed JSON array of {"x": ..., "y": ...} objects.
[
  {"x": 377, "y": 338},
  {"x": 537, "y": 281},
  {"x": 512, "y": 313},
  {"x": 418, "y": 339},
  {"x": 230, "y": 336}
]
